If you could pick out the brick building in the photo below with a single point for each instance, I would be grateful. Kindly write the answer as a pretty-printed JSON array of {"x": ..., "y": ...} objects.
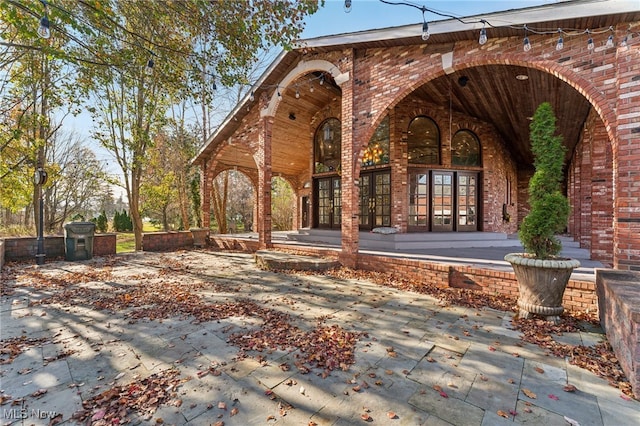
[{"x": 384, "y": 129}]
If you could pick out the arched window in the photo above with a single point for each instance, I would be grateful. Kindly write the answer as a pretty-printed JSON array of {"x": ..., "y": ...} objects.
[
  {"x": 328, "y": 146},
  {"x": 465, "y": 149},
  {"x": 423, "y": 141},
  {"x": 377, "y": 151}
]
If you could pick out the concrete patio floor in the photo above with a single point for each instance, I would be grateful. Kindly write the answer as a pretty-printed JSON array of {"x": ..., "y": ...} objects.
[{"x": 426, "y": 362}]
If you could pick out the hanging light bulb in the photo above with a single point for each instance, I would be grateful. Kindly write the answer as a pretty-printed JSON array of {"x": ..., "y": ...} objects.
[
  {"x": 297, "y": 94},
  {"x": 610, "y": 43},
  {"x": 213, "y": 84},
  {"x": 560, "y": 43},
  {"x": 321, "y": 79},
  {"x": 149, "y": 68},
  {"x": 590, "y": 44},
  {"x": 425, "y": 31},
  {"x": 347, "y": 6},
  {"x": 252, "y": 96},
  {"x": 43, "y": 29},
  {"x": 311, "y": 89},
  {"x": 526, "y": 44},
  {"x": 483, "y": 34},
  {"x": 624, "y": 41}
]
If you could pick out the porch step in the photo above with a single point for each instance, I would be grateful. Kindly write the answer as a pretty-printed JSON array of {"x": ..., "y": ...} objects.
[
  {"x": 408, "y": 241},
  {"x": 275, "y": 260}
]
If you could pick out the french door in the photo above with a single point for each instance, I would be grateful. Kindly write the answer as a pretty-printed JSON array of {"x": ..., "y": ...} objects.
[
  {"x": 329, "y": 200},
  {"x": 443, "y": 201},
  {"x": 375, "y": 199}
]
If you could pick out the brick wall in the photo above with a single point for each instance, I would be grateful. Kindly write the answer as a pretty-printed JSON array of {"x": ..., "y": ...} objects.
[
  {"x": 619, "y": 298},
  {"x": 167, "y": 241},
  {"x": 25, "y": 248}
]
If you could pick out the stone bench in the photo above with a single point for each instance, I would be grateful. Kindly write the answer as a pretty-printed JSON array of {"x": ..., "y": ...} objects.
[
  {"x": 276, "y": 260},
  {"x": 619, "y": 307}
]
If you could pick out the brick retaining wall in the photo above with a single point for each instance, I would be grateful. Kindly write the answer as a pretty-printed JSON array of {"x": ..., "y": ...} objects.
[
  {"x": 619, "y": 301},
  {"x": 25, "y": 248}
]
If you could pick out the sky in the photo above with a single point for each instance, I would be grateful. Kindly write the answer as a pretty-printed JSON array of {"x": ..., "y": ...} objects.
[{"x": 373, "y": 14}]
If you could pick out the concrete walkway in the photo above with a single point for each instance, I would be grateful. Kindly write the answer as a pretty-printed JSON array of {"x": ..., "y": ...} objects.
[{"x": 420, "y": 361}]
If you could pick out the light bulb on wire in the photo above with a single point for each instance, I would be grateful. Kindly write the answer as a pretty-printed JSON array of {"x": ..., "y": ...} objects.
[
  {"x": 44, "y": 28},
  {"x": 425, "y": 31},
  {"x": 483, "y": 35},
  {"x": 347, "y": 6},
  {"x": 560, "y": 43},
  {"x": 526, "y": 44}
]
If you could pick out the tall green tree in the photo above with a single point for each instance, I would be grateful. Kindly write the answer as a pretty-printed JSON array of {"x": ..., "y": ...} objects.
[{"x": 193, "y": 46}]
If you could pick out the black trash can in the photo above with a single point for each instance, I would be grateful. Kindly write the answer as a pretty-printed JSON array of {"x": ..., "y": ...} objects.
[{"x": 78, "y": 240}]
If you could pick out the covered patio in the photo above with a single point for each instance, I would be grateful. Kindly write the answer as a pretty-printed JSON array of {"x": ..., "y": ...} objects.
[{"x": 381, "y": 129}]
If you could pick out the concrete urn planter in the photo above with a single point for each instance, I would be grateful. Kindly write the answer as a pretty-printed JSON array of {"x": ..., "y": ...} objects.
[
  {"x": 541, "y": 284},
  {"x": 200, "y": 236}
]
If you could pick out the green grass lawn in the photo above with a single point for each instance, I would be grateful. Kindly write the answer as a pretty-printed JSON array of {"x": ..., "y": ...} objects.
[{"x": 126, "y": 241}]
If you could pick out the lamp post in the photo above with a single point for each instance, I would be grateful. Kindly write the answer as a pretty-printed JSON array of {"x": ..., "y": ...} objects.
[{"x": 40, "y": 178}]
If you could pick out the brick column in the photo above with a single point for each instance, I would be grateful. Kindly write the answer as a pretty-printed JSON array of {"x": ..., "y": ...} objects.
[
  {"x": 263, "y": 161},
  {"x": 350, "y": 190},
  {"x": 625, "y": 150}
]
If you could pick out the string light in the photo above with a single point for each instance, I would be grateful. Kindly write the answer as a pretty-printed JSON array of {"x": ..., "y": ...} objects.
[
  {"x": 252, "y": 97},
  {"x": 347, "y": 6},
  {"x": 44, "y": 30},
  {"x": 483, "y": 34},
  {"x": 149, "y": 68},
  {"x": 425, "y": 28},
  {"x": 483, "y": 37},
  {"x": 560, "y": 43},
  {"x": 297, "y": 94}
]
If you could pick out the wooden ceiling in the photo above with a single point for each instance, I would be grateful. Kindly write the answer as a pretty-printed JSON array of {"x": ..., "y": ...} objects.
[{"x": 506, "y": 96}]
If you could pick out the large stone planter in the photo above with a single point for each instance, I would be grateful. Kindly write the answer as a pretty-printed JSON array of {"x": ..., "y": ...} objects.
[
  {"x": 200, "y": 236},
  {"x": 541, "y": 284}
]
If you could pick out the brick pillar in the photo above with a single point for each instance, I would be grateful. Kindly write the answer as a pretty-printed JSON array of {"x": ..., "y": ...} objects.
[
  {"x": 399, "y": 184},
  {"x": 600, "y": 208},
  {"x": 350, "y": 190},
  {"x": 263, "y": 220},
  {"x": 625, "y": 150},
  {"x": 205, "y": 195}
]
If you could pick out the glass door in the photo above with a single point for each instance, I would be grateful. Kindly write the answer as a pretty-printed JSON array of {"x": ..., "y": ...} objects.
[
  {"x": 419, "y": 201},
  {"x": 375, "y": 200},
  {"x": 467, "y": 202},
  {"x": 442, "y": 201},
  {"x": 329, "y": 202}
]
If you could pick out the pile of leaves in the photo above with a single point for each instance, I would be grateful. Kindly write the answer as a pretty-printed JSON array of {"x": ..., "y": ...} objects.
[
  {"x": 324, "y": 347},
  {"x": 142, "y": 396},
  {"x": 11, "y": 348}
]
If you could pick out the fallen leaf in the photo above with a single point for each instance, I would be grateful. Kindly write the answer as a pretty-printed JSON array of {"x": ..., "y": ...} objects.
[
  {"x": 529, "y": 393},
  {"x": 539, "y": 370},
  {"x": 365, "y": 417},
  {"x": 234, "y": 411},
  {"x": 503, "y": 414},
  {"x": 625, "y": 397},
  {"x": 392, "y": 415},
  {"x": 492, "y": 349},
  {"x": 444, "y": 394},
  {"x": 552, "y": 396},
  {"x": 569, "y": 388},
  {"x": 222, "y": 405}
]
